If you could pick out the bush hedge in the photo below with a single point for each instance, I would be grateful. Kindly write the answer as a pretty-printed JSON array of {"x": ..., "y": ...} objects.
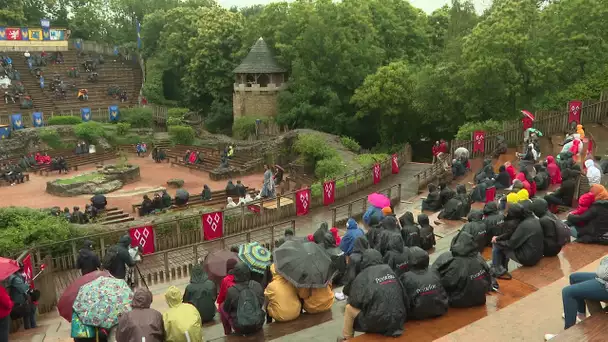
[
  {"x": 330, "y": 168},
  {"x": 183, "y": 135},
  {"x": 177, "y": 112},
  {"x": 138, "y": 117},
  {"x": 369, "y": 159},
  {"x": 51, "y": 137},
  {"x": 313, "y": 147},
  {"x": 244, "y": 127},
  {"x": 90, "y": 131},
  {"x": 122, "y": 128},
  {"x": 64, "y": 120},
  {"x": 465, "y": 132},
  {"x": 350, "y": 144}
]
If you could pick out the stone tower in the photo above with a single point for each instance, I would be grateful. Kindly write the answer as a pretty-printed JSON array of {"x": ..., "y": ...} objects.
[{"x": 257, "y": 83}]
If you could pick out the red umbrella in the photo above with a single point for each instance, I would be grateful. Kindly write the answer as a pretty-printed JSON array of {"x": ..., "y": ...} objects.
[
  {"x": 215, "y": 264},
  {"x": 528, "y": 114},
  {"x": 64, "y": 306},
  {"x": 7, "y": 267}
]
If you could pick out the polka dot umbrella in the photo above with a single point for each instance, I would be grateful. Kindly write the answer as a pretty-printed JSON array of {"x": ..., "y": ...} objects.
[{"x": 255, "y": 256}]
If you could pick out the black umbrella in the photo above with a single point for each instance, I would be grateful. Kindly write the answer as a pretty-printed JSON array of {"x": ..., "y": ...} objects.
[{"x": 304, "y": 264}]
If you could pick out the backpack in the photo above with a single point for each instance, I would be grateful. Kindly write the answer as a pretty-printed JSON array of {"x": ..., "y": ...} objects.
[
  {"x": 109, "y": 257},
  {"x": 562, "y": 231},
  {"x": 249, "y": 315}
]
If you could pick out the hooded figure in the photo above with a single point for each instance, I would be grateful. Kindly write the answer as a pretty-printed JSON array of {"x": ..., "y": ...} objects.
[
  {"x": 182, "y": 321},
  {"x": 283, "y": 302},
  {"x": 566, "y": 160},
  {"x": 479, "y": 192},
  {"x": 541, "y": 179},
  {"x": 397, "y": 256},
  {"x": 445, "y": 193},
  {"x": 580, "y": 131},
  {"x": 372, "y": 211},
  {"x": 181, "y": 196},
  {"x": 99, "y": 201},
  {"x": 427, "y": 234},
  {"x": 427, "y": 297},
  {"x": 476, "y": 228},
  {"x": 120, "y": 259},
  {"x": 503, "y": 179},
  {"x": 390, "y": 231},
  {"x": 410, "y": 231},
  {"x": 206, "y": 194},
  {"x": 253, "y": 294},
  {"x": 484, "y": 172},
  {"x": 202, "y": 293},
  {"x": 525, "y": 245},
  {"x": 584, "y": 203},
  {"x": 592, "y": 224},
  {"x": 166, "y": 198},
  {"x": 231, "y": 189},
  {"x": 594, "y": 175},
  {"x": 142, "y": 322},
  {"x": 354, "y": 264},
  {"x": 352, "y": 233},
  {"x": 230, "y": 203},
  {"x": 526, "y": 184},
  {"x": 494, "y": 221},
  {"x": 87, "y": 260},
  {"x": 461, "y": 194},
  {"x": 599, "y": 192},
  {"x": 463, "y": 272},
  {"x": 555, "y": 174},
  {"x": 548, "y": 222},
  {"x": 565, "y": 194},
  {"x": 374, "y": 231},
  {"x": 458, "y": 168},
  {"x": 378, "y": 294},
  {"x": 432, "y": 202}
]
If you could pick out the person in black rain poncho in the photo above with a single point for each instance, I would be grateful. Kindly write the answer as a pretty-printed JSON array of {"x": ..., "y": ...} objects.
[
  {"x": 463, "y": 272},
  {"x": 390, "y": 230},
  {"x": 485, "y": 172},
  {"x": 373, "y": 233},
  {"x": 397, "y": 256},
  {"x": 565, "y": 194},
  {"x": 503, "y": 180},
  {"x": 427, "y": 233},
  {"x": 324, "y": 238},
  {"x": 477, "y": 228},
  {"x": 548, "y": 221},
  {"x": 542, "y": 177},
  {"x": 427, "y": 297},
  {"x": 410, "y": 231},
  {"x": 493, "y": 220},
  {"x": 99, "y": 201},
  {"x": 87, "y": 260},
  {"x": 377, "y": 302},
  {"x": 432, "y": 202},
  {"x": 457, "y": 207},
  {"x": 525, "y": 246},
  {"x": 354, "y": 263},
  {"x": 445, "y": 193}
]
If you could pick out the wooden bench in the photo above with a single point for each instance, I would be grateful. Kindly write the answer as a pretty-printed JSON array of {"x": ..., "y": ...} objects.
[
  {"x": 26, "y": 178},
  {"x": 80, "y": 160},
  {"x": 217, "y": 197}
]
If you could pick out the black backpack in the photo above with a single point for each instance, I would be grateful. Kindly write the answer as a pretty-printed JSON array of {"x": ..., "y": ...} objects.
[
  {"x": 109, "y": 257},
  {"x": 562, "y": 231},
  {"x": 249, "y": 314}
]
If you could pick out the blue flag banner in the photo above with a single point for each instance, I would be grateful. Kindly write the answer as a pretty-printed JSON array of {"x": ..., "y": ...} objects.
[
  {"x": 24, "y": 34},
  {"x": 2, "y": 33},
  {"x": 114, "y": 113},
  {"x": 16, "y": 121},
  {"x": 115, "y": 50},
  {"x": 5, "y": 131},
  {"x": 138, "y": 27},
  {"x": 78, "y": 44},
  {"x": 37, "y": 119},
  {"x": 85, "y": 113},
  {"x": 46, "y": 34},
  {"x": 41, "y": 82},
  {"x": 45, "y": 23}
]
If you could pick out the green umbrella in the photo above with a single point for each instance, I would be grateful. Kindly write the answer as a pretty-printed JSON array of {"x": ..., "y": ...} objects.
[
  {"x": 255, "y": 256},
  {"x": 100, "y": 302}
]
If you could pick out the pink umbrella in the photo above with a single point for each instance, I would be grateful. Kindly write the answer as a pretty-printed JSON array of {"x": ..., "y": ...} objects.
[
  {"x": 7, "y": 267},
  {"x": 378, "y": 200},
  {"x": 528, "y": 114}
]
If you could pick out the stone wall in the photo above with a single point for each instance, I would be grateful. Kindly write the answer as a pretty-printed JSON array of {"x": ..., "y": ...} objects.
[
  {"x": 25, "y": 141},
  {"x": 111, "y": 179},
  {"x": 255, "y": 103}
]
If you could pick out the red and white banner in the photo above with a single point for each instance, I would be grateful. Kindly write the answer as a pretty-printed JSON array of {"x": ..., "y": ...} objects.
[
  {"x": 302, "y": 202},
  {"x": 574, "y": 111},
  {"x": 329, "y": 192},
  {"x": 13, "y": 34},
  {"x": 213, "y": 225},
  {"x": 377, "y": 173},
  {"x": 479, "y": 141},
  {"x": 395, "y": 164},
  {"x": 144, "y": 237},
  {"x": 28, "y": 269}
]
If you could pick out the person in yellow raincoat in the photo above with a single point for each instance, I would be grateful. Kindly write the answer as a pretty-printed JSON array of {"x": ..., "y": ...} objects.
[
  {"x": 317, "y": 300},
  {"x": 580, "y": 131},
  {"x": 282, "y": 297},
  {"x": 182, "y": 320}
]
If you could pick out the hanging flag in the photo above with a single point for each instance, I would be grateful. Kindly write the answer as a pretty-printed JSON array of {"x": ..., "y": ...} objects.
[
  {"x": 144, "y": 237},
  {"x": 35, "y": 34},
  {"x": 37, "y": 119},
  {"x": 479, "y": 141},
  {"x": 113, "y": 112},
  {"x": 302, "y": 202},
  {"x": 2, "y": 33},
  {"x": 13, "y": 33},
  {"x": 85, "y": 113},
  {"x": 376, "y": 173},
  {"x": 116, "y": 51},
  {"x": 574, "y": 111},
  {"x": 138, "y": 28},
  {"x": 46, "y": 34},
  {"x": 28, "y": 270},
  {"x": 57, "y": 34},
  {"x": 78, "y": 44},
  {"x": 329, "y": 192},
  {"x": 16, "y": 121},
  {"x": 5, "y": 131},
  {"x": 395, "y": 164},
  {"x": 213, "y": 225},
  {"x": 45, "y": 23},
  {"x": 24, "y": 34}
]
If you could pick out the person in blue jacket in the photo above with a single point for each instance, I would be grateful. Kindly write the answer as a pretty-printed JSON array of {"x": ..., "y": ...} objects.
[
  {"x": 352, "y": 233},
  {"x": 372, "y": 211}
]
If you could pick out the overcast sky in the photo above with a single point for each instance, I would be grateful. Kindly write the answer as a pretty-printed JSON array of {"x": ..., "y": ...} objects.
[{"x": 427, "y": 5}]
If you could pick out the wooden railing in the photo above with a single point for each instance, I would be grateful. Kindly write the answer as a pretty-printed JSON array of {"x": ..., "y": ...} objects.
[
  {"x": 187, "y": 230},
  {"x": 97, "y": 114},
  {"x": 355, "y": 209}
]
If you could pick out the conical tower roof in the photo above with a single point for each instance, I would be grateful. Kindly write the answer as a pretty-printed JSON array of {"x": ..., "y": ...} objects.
[{"x": 259, "y": 60}]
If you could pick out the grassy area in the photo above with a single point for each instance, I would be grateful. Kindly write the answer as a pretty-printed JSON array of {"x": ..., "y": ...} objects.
[{"x": 81, "y": 178}]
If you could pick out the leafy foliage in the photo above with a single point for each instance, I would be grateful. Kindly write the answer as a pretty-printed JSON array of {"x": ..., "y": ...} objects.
[
  {"x": 90, "y": 131},
  {"x": 64, "y": 120},
  {"x": 351, "y": 144},
  {"x": 138, "y": 117},
  {"x": 330, "y": 167},
  {"x": 51, "y": 137},
  {"x": 244, "y": 127},
  {"x": 369, "y": 159},
  {"x": 465, "y": 132},
  {"x": 313, "y": 148},
  {"x": 183, "y": 135},
  {"x": 122, "y": 128}
]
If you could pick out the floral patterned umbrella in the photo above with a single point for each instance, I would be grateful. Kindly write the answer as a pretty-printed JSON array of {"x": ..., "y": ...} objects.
[{"x": 100, "y": 302}]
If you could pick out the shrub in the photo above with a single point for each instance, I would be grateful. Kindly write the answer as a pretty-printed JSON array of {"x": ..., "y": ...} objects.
[
  {"x": 465, "y": 132},
  {"x": 219, "y": 118},
  {"x": 351, "y": 144},
  {"x": 183, "y": 135},
  {"x": 138, "y": 117},
  {"x": 51, "y": 138},
  {"x": 174, "y": 122},
  {"x": 64, "y": 120},
  {"x": 122, "y": 128},
  {"x": 369, "y": 159},
  {"x": 244, "y": 127},
  {"x": 313, "y": 147},
  {"x": 330, "y": 167},
  {"x": 89, "y": 131},
  {"x": 177, "y": 112}
]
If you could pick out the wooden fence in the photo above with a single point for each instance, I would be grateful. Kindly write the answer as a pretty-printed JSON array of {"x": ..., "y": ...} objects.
[
  {"x": 97, "y": 114},
  {"x": 187, "y": 230},
  {"x": 355, "y": 209}
]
